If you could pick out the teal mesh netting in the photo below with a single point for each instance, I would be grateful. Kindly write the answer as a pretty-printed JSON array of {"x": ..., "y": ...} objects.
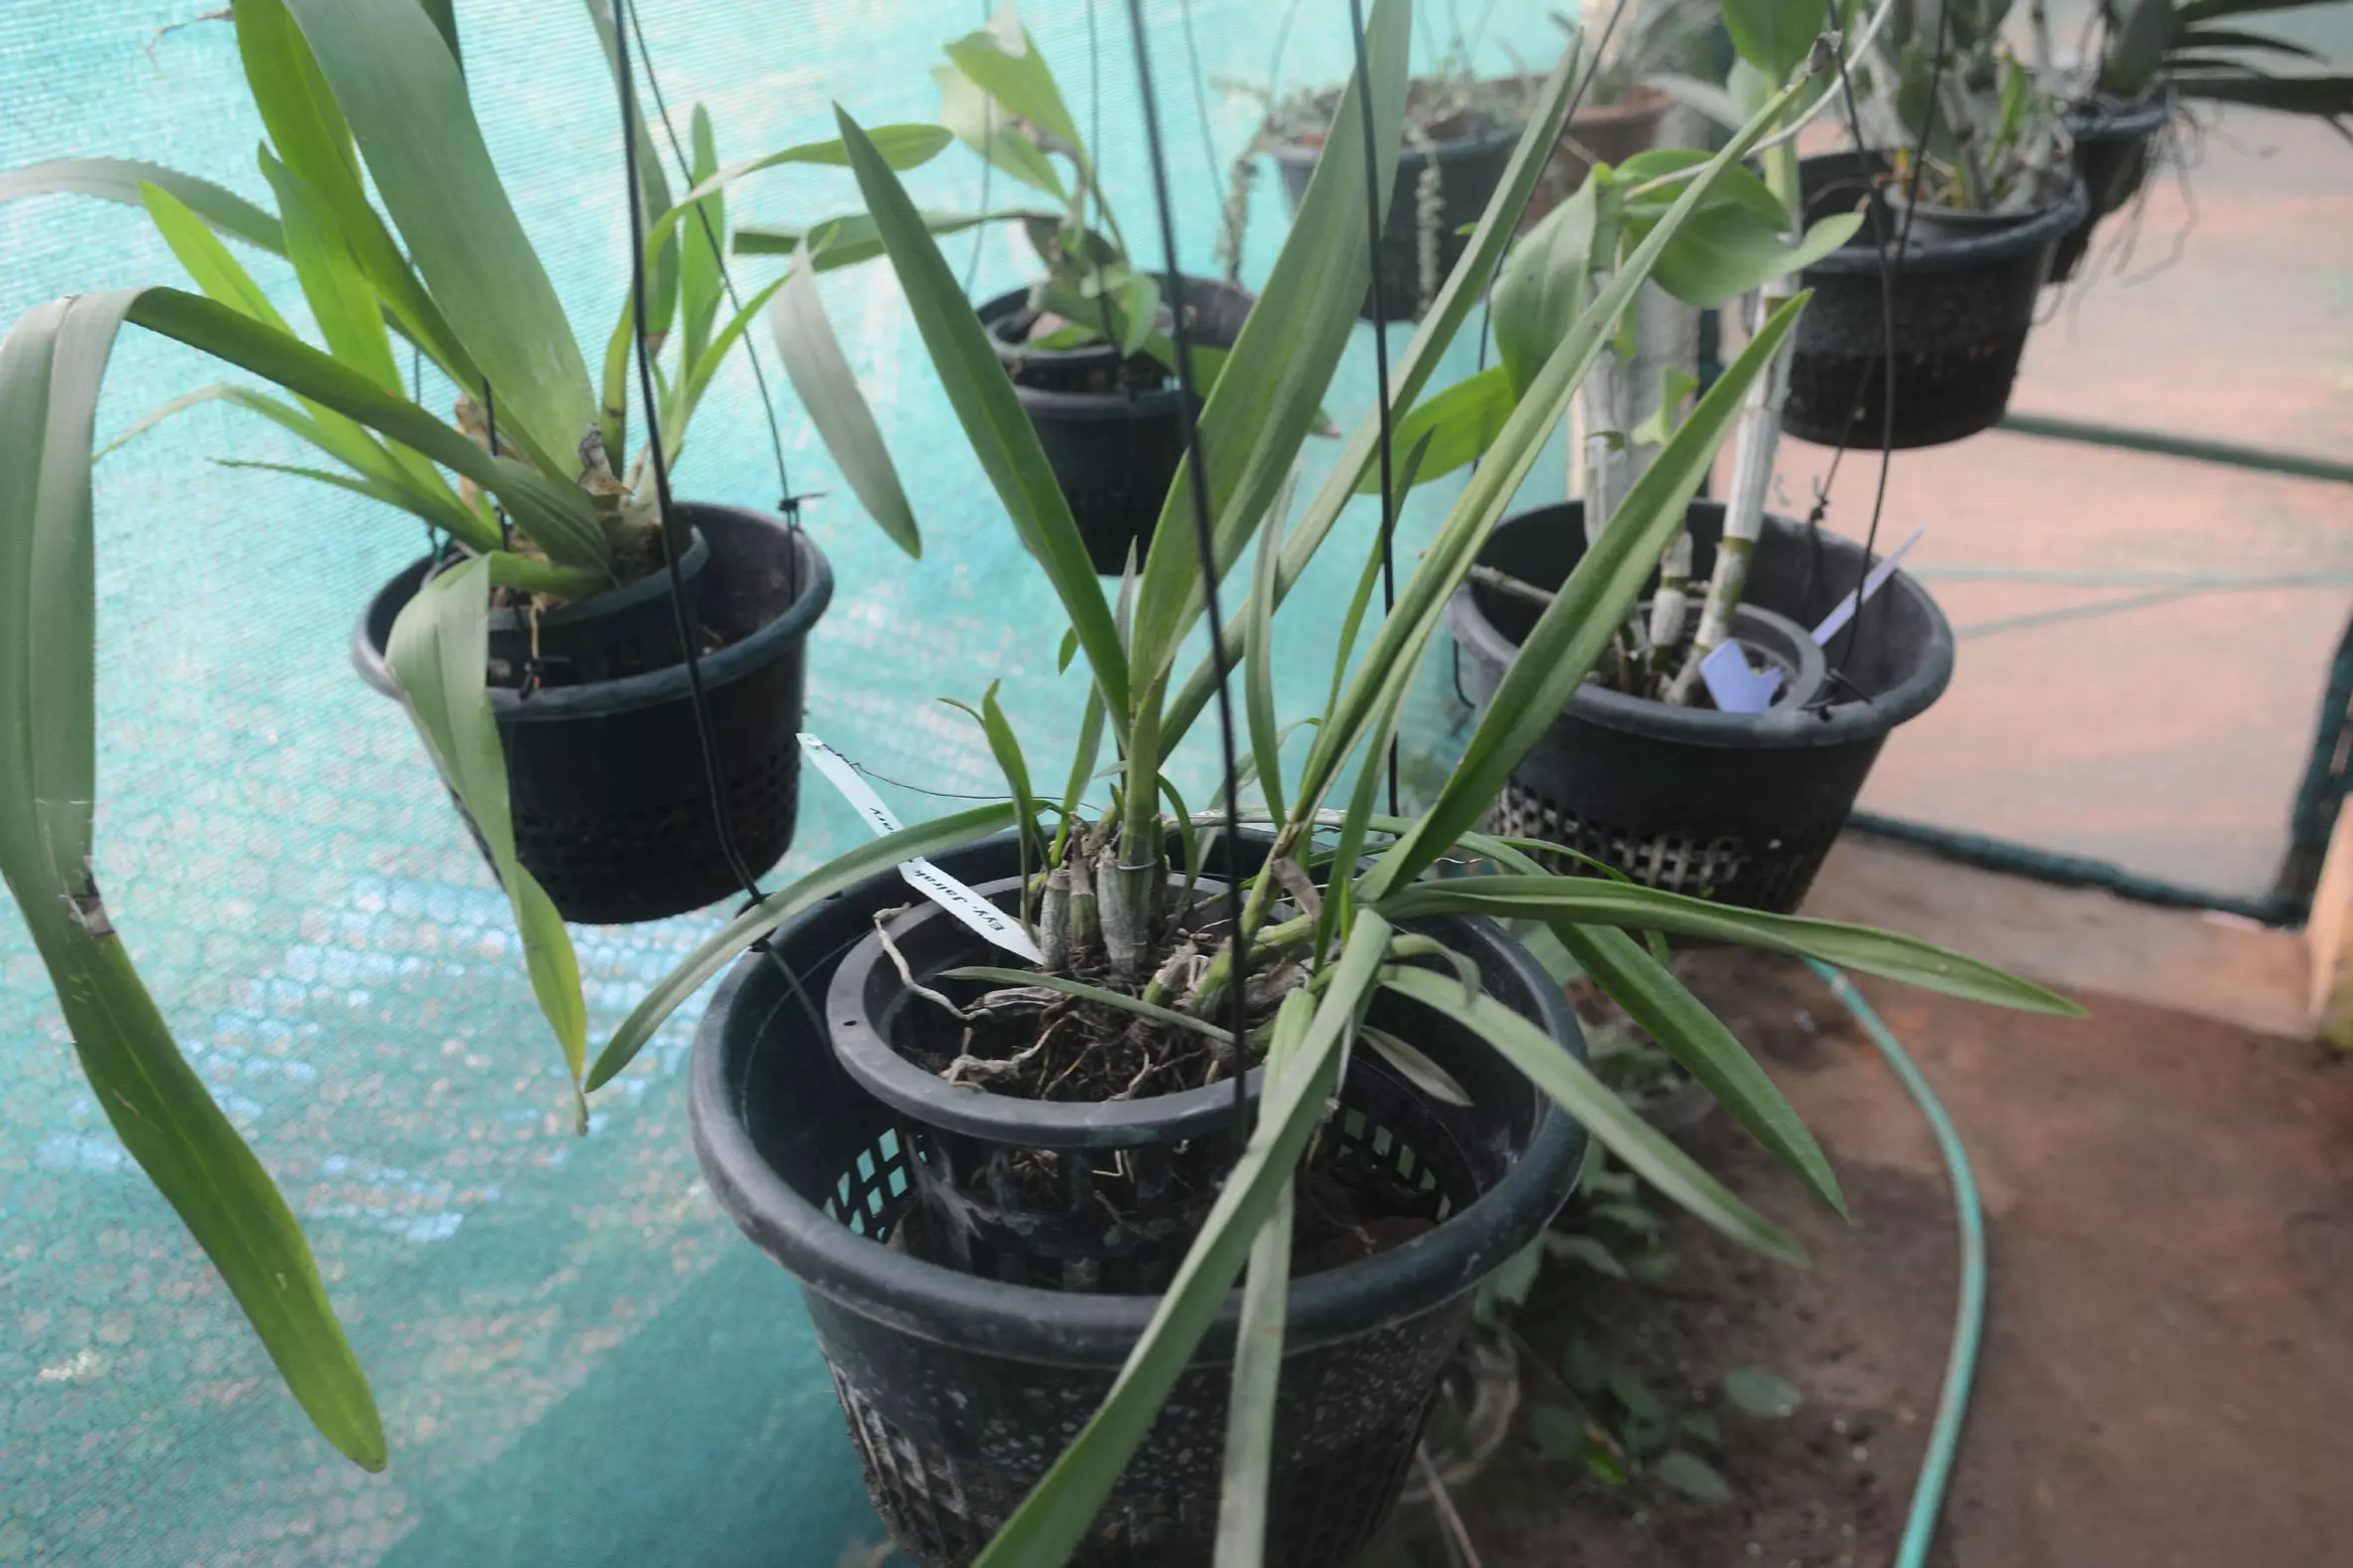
[{"x": 578, "y": 1360}]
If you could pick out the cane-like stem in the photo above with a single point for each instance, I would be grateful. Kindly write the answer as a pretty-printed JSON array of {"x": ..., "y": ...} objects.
[{"x": 1757, "y": 442}]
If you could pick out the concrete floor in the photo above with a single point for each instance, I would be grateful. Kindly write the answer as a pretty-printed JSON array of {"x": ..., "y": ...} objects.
[{"x": 2170, "y": 739}]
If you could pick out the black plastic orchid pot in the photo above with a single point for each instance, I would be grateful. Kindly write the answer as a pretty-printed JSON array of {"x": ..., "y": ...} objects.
[
  {"x": 1111, "y": 425},
  {"x": 2111, "y": 148},
  {"x": 611, "y": 807},
  {"x": 979, "y": 1265},
  {"x": 1464, "y": 169},
  {"x": 1740, "y": 808},
  {"x": 1963, "y": 294}
]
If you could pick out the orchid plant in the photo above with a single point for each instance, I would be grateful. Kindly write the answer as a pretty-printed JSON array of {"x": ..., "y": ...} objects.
[
  {"x": 528, "y": 480},
  {"x": 1289, "y": 984}
]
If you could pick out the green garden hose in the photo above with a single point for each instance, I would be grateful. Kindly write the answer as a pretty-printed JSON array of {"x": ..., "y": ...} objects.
[{"x": 1969, "y": 1317}]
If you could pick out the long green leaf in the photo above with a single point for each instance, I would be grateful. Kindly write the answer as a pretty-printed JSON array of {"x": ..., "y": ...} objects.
[
  {"x": 2196, "y": 11},
  {"x": 1453, "y": 306},
  {"x": 1266, "y": 745},
  {"x": 1258, "y": 1341},
  {"x": 1458, "y": 425},
  {"x": 1056, "y": 1514},
  {"x": 2320, "y": 97},
  {"x": 405, "y": 100},
  {"x": 440, "y": 650},
  {"x": 1563, "y": 1078},
  {"x": 1003, "y": 61},
  {"x": 1407, "y": 630},
  {"x": 1594, "y": 901},
  {"x": 902, "y": 147},
  {"x": 985, "y": 125},
  {"x": 850, "y": 239},
  {"x": 120, "y": 179},
  {"x": 1774, "y": 36},
  {"x": 1281, "y": 364},
  {"x": 993, "y": 420},
  {"x": 716, "y": 951},
  {"x": 1574, "y": 629},
  {"x": 828, "y": 390},
  {"x": 341, "y": 298},
  {"x": 351, "y": 317},
  {"x": 694, "y": 380},
  {"x": 557, "y": 517},
  {"x": 1540, "y": 291},
  {"x": 50, "y": 371},
  {"x": 1665, "y": 1009},
  {"x": 2236, "y": 38},
  {"x": 702, "y": 240},
  {"x": 224, "y": 280},
  {"x": 1345, "y": 646},
  {"x": 311, "y": 137},
  {"x": 654, "y": 194},
  {"x": 1727, "y": 250}
]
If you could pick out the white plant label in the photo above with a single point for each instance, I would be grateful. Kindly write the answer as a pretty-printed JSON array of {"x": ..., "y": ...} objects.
[
  {"x": 982, "y": 916},
  {"x": 1871, "y": 585},
  {"x": 1735, "y": 688}
]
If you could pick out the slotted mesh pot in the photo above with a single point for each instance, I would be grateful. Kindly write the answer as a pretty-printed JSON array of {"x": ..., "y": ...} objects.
[
  {"x": 1962, "y": 309},
  {"x": 1740, "y": 808},
  {"x": 611, "y": 808},
  {"x": 960, "y": 1389}
]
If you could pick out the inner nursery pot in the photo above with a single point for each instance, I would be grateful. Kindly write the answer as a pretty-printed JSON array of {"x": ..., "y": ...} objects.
[
  {"x": 1469, "y": 157},
  {"x": 961, "y": 1389},
  {"x": 2111, "y": 141},
  {"x": 1740, "y": 808},
  {"x": 603, "y": 766},
  {"x": 1962, "y": 309},
  {"x": 1111, "y": 426}
]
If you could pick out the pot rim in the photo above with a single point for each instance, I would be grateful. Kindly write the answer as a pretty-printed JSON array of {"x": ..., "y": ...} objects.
[
  {"x": 628, "y": 596},
  {"x": 1110, "y": 406},
  {"x": 1777, "y": 728},
  {"x": 877, "y": 1067},
  {"x": 2097, "y": 115},
  {"x": 596, "y": 698},
  {"x": 2037, "y": 231},
  {"x": 1058, "y": 1328}
]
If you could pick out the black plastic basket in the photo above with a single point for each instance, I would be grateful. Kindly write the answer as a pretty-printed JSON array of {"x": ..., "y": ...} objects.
[
  {"x": 1736, "y": 807},
  {"x": 960, "y": 1389},
  {"x": 1962, "y": 309},
  {"x": 1111, "y": 427},
  {"x": 2111, "y": 142},
  {"x": 612, "y": 812},
  {"x": 1469, "y": 172}
]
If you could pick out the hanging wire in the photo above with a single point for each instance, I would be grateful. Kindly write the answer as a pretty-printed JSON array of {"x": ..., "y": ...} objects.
[
  {"x": 788, "y": 500},
  {"x": 1204, "y": 540},
  {"x": 1363, "y": 101},
  {"x": 1876, "y": 218},
  {"x": 675, "y": 532},
  {"x": 506, "y": 526}
]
